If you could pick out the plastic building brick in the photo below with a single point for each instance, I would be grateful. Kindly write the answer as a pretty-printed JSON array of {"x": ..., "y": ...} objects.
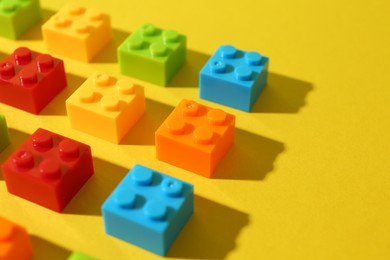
[
  {"x": 195, "y": 137},
  {"x": 152, "y": 54},
  {"x": 106, "y": 107},
  {"x": 17, "y": 16},
  {"x": 30, "y": 80},
  {"x": 79, "y": 256},
  {"x": 234, "y": 78},
  {"x": 48, "y": 169},
  {"x": 77, "y": 33},
  {"x": 14, "y": 241},
  {"x": 148, "y": 209},
  {"x": 4, "y": 137}
]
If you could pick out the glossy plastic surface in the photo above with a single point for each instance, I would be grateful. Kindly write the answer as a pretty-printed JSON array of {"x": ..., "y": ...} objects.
[
  {"x": 233, "y": 77},
  {"x": 148, "y": 209},
  {"x": 15, "y": 243},
  {"x": 18, "y": 16},
  {"x": 77, "y": 32},
  {"x": 48, "y": 169},
  {"x": 195, "y": 137},
  {"x": 30, "y": 80},
  {"x": 106, "y": 107},
  {"x": 152, "y": 54}
]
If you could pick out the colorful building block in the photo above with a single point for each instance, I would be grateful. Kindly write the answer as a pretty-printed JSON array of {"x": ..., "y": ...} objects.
[
  {"x": 79, "y": 256},
  {"x": 77, "y": 33},
  {"x": 152, "y": 54},
  {"x": 48, "y": 169},
  {"x": 4, "y": 137},
  {"x": 14, "y": 241},
  {"x": 106, "y": 107},
  {"x": 195, "y": 137},
  {"x": 17, "y": 16},
  {"x": 148, "y": 209},
  {"x": 30, "y": 80},
  {"x": 234, "y": 78}
]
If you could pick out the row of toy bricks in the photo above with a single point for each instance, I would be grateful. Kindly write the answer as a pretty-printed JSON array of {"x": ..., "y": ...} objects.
[
  {"x": 147, "y": 208},
  {"x": 108, "y": 108},
  {"x": 231, "y": 77},
  {"x": 88, "y": 31},
  {"x": 80, "y": 32},
  {"x": 15, "y": 243}
]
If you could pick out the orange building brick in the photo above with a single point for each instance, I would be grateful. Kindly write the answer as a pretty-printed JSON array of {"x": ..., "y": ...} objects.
[
  {"x": 14, "y": 241},
  {"x": 76, "y": 32},
  {"x": 195, "y": 137},
  {"x": 106, "y": 107}
]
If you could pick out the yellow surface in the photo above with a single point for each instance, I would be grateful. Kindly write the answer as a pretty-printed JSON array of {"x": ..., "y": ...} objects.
[{"x": 309, "y": 174}]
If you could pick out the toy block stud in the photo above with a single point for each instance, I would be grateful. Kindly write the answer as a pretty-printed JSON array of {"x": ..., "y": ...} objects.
[
  {"x": 4, "y": 137},
  {"x": 152, "y": 54},
  {"x": 233, "y": 77},
  {"x": 106, "y": 107},
  {"x": 148, "y": 209},
  {"x": 48, "y": 169},
  {"x": 77, "y": 33},
  {"x": 79, "y": 256},
  {"x": 14, "y": 241},
  {"x": 195, "y": 137},
  {"x": 18, "y": 16},
  {"x": 30, "y": 80}
]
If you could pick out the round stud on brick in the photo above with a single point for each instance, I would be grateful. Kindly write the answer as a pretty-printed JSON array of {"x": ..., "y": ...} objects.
[
  {"x": 253, "y": 58},
  {"x": 227, "y": 51},
  {"x": 157, "y": 49},
  {"x": 135, "y": 43},
  {"x": 243, "y": 73},
  {"x": 7, "y": 230},
  {"x": 125, "y": 86},
  {"x": 44, "y": 62},
  {"x": 23, "y": 159},
  {"x": 28, "y": 76},
  {"x": 42, "y": 140},
  {"x": 80, "y": 27},
  {"x": 50, "y": 169},
  {"x": 86, "y": 95},
  {"x": 155, "y": 210},
  {"x": 8, "y": 6},
  {"x": 189, "y": 108},
  {"x": 94, "y": 15},
  {"x": 217, "y": 66},
  {"x": 203, "y": 135},
  {"x": 172, "y": 188},
  {"x": 175, "y": 126},
  {"x": 101, "y": 79},
  {"x": 125, "y": 198},
  {"x": 148, "y": 29},
  {"x": 216, "y": 117},
  {"x": 22, "y": 55},
  {"x": 110, "y": 103},
  {"x": 141, "y": 177},
  {"x": 74, "y": 9},
  {"x": 68, "y": 149},
  {"x": 60, "y": 21},
  {"x": 170, "y": 36},
  {"x": 7, "y": 70}
]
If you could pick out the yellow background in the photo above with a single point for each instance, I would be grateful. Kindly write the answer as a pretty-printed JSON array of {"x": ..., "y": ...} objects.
[{"x": 308, "y": 176}]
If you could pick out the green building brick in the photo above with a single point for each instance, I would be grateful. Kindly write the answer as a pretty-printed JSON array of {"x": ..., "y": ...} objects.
[
  {"x": 17, "y": 16},
  {"x": 4, "y": 137},
  {"x": 79, "y": 256},
  {"x": 152, "y": 54}
]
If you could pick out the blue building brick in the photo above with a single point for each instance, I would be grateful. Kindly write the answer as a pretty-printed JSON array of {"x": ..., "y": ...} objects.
[
  {"x": 148, "y": 209},
  {"x": 234, "y": 78}
]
